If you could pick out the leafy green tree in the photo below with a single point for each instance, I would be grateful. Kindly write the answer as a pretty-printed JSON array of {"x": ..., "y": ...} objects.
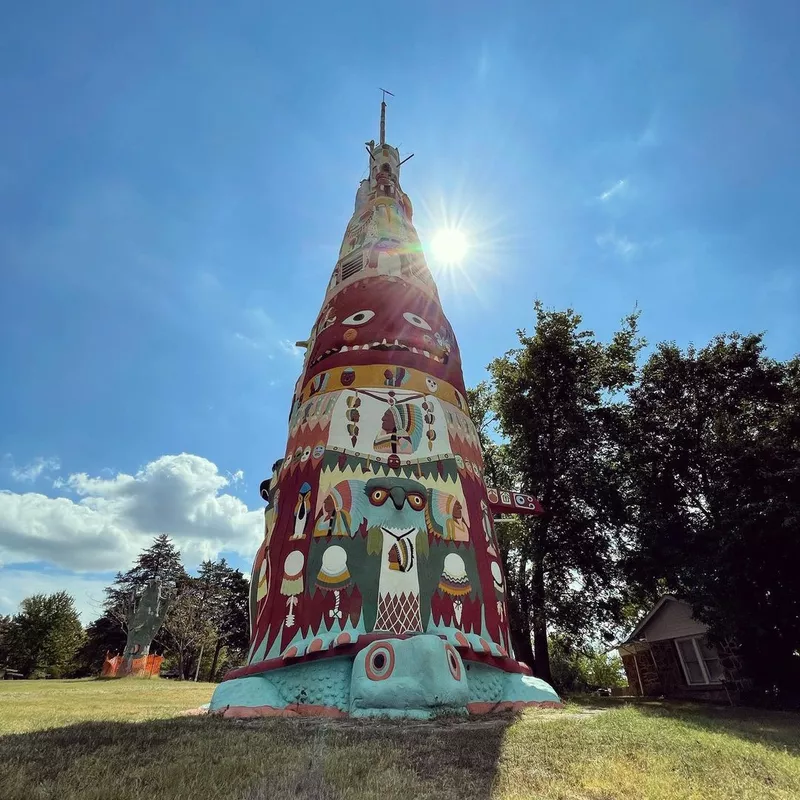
[
  {"x": 583, "y": 669},
  {"x": 560, "y": 407},
  {"x": 713, "y": 458},
  {"x": 5, "y": 628},
  {"x": 161, "y": 560},
  {"x": 104, "y": 635},
  {"x": 45, "y": 635},
  {"x": 185, "y": 629},
  {"x": 209, "y": 615},
  {"x": 231, "y": 623}
]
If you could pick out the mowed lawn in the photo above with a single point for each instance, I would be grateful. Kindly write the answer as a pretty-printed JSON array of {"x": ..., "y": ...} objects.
[{"x": 130, "y": 739}]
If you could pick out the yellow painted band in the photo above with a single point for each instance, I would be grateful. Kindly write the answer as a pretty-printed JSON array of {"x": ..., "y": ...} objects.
[{"x": 372, "y": 376}]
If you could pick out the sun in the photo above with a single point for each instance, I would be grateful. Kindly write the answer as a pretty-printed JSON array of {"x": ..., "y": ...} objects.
[{"x": 449, "y": 246}]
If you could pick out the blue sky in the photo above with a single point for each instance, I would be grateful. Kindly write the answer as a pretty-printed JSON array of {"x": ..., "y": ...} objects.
[{"x": 175, "y": 180}]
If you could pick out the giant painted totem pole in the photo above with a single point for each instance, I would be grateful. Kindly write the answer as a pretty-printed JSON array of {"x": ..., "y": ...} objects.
[{"x": 378, "y": 588}]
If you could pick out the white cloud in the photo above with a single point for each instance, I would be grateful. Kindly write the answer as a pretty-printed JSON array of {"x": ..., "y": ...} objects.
[
  {"x": 113, "y": 519},
  {"x": 620, "y": 186},
  {"x": 31, "y": 472},
  {"x": 18, "y": 583},
  {"x": 621, "y": 245}
]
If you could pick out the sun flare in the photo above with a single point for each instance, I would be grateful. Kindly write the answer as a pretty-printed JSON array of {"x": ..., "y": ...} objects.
[{"x": 449, "y": 246}]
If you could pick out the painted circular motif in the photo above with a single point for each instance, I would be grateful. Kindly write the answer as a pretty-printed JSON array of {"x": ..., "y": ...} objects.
[
  {"x": 348, "y": 376},
  {"x": 315, "y": 646},
  {"x": 306, "y": 454},
  {"x": 350, "y": 335},
  {"x": 461, "y": 639},
  {"x": 334, "y": 560},
  {"x": 454, "y": 566},
  {"x": 290, "y": 652},
  {"x": 393, "y": 461},
  {"x": 453, "y": 661},
  {"x": 294, "y": 563},
  {"x": 343, "y": 638},
  {"x": 432, "y": 385},
  {"x": 487, "y": 648},
  {"x": 379, "y": 663},
  {"x": 497, "y": 575},
  {"x": 318, "y": 451}
]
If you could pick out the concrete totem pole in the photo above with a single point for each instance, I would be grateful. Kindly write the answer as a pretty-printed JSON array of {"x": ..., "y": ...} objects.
[
  {"x": 378, "y": 588},
  {"x": 144, "y": 615}
]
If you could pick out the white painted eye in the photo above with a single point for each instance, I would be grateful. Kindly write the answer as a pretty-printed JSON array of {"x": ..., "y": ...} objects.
[
  {"x": 359, "y": 318},
  {"x": 415, "y": 319}
]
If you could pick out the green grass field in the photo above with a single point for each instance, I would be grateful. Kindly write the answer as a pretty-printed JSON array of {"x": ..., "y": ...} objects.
[{"x": 130, "y": 740}]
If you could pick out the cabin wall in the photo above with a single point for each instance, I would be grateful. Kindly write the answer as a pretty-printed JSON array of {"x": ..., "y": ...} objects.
[{"x": 673, "y": 621}]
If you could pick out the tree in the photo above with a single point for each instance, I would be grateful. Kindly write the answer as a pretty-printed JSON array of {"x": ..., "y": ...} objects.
[
  {"x": 557, "y": 404},
  {"x": 184, "y": 630},
  {"x": 210, "y": 615},
  {"x": 583, "y": 669},
  {"x": 714, "y": 460},
  {"x": 104, "y": 635},
  {"x": 45, "y": 635},
  {"x": 5, "y": 628},
  {"x": 161, "y": 561},
  {"x": 231, "y": 622}
]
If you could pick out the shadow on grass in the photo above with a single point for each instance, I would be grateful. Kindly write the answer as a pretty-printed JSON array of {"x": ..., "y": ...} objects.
[
  {"x": 776, "y": 729},
  {"x": 209, "y": 757}
]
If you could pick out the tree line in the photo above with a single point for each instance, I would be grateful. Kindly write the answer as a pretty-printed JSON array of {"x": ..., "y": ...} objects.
[
  {"x": 675, "y": 472},
  {"x": 204, "y": 633}
]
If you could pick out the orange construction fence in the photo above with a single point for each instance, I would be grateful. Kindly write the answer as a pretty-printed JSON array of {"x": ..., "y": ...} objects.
[{"x": 142, "y": 667}]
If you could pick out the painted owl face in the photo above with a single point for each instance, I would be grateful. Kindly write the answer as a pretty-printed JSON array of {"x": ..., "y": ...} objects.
[
  {"x": 384, "y": 319},
  {"x": 396, "y": 504}
]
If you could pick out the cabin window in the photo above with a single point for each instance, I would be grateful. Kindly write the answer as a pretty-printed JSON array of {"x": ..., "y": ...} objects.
[{"x": 701, "y": 664}]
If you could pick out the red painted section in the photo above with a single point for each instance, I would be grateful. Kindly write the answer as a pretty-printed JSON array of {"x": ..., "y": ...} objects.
[
  {"x": 505, "y": 501},
  {"x": 467, "y": 654}
]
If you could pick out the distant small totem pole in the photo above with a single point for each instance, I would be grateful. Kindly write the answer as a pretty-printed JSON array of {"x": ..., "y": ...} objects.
[{"x": 143, "y": 617}]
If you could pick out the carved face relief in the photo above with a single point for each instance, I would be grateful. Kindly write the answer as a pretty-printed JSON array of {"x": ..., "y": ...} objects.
[{"x": 381, "y": 316}]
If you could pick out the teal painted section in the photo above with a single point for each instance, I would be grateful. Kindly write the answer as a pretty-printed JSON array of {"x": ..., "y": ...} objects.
[
  {"x": 425, "y": 678},
  {"x": 526, "y": 689},
  {"x": 485, "y": 683},
  {"x": 417, "y": 678},
  {"x": 490, "y": 685},
  {"x": 321, "y": 683},
  {"x": 255, "y": 690}
]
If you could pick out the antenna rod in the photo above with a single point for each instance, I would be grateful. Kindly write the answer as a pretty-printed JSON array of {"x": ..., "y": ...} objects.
[{"x": 383, "y": 114}]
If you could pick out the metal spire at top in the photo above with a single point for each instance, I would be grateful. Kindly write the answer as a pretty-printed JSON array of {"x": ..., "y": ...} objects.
[{"x": 383, "y": 114}]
